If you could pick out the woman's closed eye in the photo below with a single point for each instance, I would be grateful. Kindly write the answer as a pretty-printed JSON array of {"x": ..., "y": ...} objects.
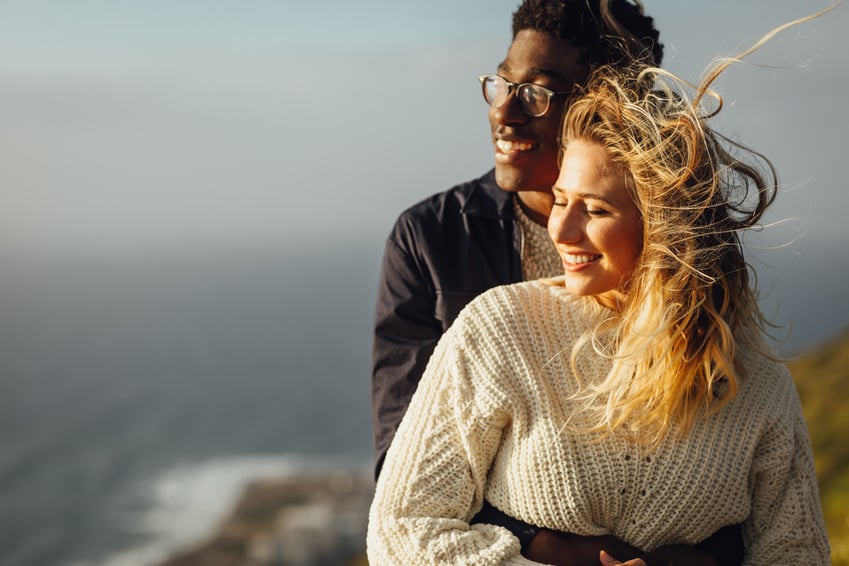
[{"x": 588, "y": 210}]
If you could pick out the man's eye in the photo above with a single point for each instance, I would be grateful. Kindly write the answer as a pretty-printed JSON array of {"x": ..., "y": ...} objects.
[{"x": 560, "y": 203}]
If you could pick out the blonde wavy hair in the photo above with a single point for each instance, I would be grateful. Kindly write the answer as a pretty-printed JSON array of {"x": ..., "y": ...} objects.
[{"x": 690, "y": 299}]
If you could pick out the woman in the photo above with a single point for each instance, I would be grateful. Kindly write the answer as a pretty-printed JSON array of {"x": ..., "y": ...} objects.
[{"x": 636, "y": 395}]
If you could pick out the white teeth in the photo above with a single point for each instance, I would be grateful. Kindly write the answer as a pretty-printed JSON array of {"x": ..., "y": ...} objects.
[
  {"x": 577, "y": 259},
  {"x": 508, "y": 146}
]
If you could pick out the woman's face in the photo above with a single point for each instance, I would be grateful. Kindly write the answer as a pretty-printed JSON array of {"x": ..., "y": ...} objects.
[{"x": 595, "y": 224}]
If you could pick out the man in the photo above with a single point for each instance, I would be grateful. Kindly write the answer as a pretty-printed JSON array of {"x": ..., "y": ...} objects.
[
  {"x": 451, "y": 247},
  {"x": 447, "y": 249}
]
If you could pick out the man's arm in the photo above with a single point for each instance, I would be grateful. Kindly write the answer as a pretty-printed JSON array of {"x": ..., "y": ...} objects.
[{"x": 405, "y": 333}]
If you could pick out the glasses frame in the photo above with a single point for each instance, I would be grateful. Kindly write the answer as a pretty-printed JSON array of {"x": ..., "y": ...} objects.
[{"x": 517, "y": 87}]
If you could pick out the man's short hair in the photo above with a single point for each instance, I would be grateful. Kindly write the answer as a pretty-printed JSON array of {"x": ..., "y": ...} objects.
[{"x": 607, "y": 32}]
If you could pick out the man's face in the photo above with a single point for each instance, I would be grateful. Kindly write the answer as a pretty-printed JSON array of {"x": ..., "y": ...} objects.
[{"x": 526, "y": 148}]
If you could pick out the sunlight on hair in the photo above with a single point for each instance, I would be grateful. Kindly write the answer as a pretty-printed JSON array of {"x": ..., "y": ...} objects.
[{"x": 672, "y": 345}]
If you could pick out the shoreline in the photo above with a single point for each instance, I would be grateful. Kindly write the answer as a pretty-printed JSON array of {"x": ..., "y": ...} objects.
[{"x": 308, "y": 517}]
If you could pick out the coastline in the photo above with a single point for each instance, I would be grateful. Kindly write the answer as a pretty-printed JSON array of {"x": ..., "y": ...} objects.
[{"x": 315, "y": 517}]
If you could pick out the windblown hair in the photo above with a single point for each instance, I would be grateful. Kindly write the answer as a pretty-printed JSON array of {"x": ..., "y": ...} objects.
[
  {"x": 690, "y": 299},
  {"x": 607, "y": 32}
]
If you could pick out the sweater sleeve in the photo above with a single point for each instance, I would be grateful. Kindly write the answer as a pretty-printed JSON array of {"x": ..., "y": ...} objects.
[
  {"x": 786, "y": 524},
  {"x": 435, "y": 471}
]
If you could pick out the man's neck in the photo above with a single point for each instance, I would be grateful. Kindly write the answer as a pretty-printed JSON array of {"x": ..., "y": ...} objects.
[{"x": 536, "y": 205}]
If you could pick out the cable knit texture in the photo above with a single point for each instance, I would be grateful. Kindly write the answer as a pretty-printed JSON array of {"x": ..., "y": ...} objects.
[
  {"x": 540, "y": 257},
  {"x": 487, "y": 422}
]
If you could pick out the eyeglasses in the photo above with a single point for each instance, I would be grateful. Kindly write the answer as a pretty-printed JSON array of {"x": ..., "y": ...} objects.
[{"x": 534, "y": 100}]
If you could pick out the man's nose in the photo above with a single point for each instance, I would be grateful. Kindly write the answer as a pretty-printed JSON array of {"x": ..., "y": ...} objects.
[{"x": 508, "y": 111}]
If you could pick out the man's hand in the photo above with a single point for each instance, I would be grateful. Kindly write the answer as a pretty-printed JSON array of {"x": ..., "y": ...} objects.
[
  {"x": 564, "y": 549},
  {"x": 607, "y": 560},
  {"x": 680, "y": 554}
]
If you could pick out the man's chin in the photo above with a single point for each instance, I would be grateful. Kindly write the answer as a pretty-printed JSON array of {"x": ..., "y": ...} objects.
[
  {"x": 508, "y": 179},
  {"x": 513, "y": 181}
]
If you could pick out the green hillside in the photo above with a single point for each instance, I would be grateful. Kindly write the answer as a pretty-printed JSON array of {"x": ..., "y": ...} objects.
[{"x": 822, "y": 377}]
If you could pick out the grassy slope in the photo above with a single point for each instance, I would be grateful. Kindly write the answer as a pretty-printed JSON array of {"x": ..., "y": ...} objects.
[{"x": 822, "y": 377}]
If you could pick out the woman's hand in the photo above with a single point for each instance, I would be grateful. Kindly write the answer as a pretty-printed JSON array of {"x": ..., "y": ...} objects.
[{"x": 606, "y": 560}]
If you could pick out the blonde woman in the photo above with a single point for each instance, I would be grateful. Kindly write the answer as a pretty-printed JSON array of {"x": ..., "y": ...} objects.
[{"x": 635, "y": 396}]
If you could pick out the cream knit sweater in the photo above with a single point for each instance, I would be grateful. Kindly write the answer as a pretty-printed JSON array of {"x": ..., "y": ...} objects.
[{"x": 487, "y": 421}]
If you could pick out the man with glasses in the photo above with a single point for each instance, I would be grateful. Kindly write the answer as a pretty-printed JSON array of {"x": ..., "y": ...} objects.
[{"x": 449, "y": 248}]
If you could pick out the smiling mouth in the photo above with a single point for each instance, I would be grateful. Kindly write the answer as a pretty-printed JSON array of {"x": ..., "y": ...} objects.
[
  {"x": 573, "y": 259},
  {"x": 508, "y": 146}
]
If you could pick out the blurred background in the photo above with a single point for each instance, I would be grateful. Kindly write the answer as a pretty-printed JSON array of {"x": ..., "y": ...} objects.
[{"x": 194, "y": 198}]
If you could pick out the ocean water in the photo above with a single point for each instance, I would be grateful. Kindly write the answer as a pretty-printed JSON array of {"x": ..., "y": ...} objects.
[{"x": 139, "y": 393}]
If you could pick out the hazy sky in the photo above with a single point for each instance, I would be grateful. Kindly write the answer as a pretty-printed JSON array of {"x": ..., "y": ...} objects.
[{"x": 184, "y": 123}]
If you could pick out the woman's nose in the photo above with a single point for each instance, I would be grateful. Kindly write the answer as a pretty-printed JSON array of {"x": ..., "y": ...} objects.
[{"x": 564, "y": 224}]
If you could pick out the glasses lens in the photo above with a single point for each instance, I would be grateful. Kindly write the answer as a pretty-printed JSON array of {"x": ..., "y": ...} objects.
[
  {"x": 494, "y": 89},
  {"x": 534, "y": 99}
]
